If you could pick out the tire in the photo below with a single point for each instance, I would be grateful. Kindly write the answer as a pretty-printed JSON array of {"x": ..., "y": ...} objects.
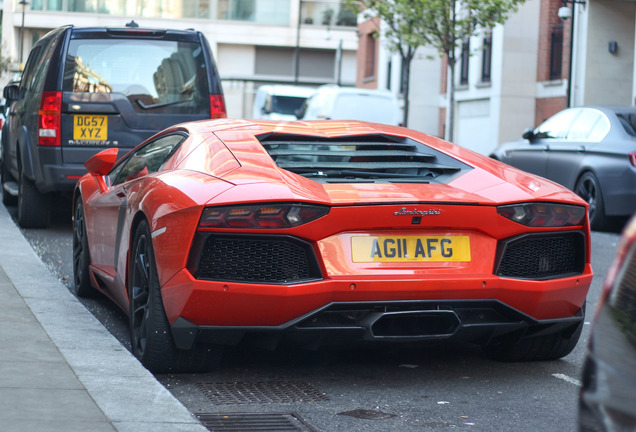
[
  {"x": 34, "y": 208},
  {"x": 7, "y": 198},
  {"x": 589, "y": 189},
  {"x": 545, "y": 347},
  {"x": 150, "y": 334},
  {"x": 81, "y": 254}
]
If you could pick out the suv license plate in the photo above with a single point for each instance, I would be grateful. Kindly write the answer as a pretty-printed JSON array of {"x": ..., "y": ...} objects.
[{"x": 90, "y": 127}]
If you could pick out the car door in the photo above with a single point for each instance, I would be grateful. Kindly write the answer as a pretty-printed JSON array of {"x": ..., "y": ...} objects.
[
  {"x": 532, "y": 155},
  {"x": 566, "y": 156},
  {"x": 109, "y": 210}
]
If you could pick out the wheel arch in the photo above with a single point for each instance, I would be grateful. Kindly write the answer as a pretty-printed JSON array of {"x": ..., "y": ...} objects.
[{"x": 24, "y": 155}]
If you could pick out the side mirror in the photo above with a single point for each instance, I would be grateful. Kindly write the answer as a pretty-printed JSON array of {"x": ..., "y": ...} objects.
[
  {"x": 528, "y": 134},
  {"x": 102, "y": 162},
  {"x": 12, "y": 92}
]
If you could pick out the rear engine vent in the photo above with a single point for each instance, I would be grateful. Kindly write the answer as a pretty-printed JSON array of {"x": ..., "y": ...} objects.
[
  {"x": 542, "y": 256},
  {"x": 257, "y": 259},
  {"x": 364, "y": 158}
]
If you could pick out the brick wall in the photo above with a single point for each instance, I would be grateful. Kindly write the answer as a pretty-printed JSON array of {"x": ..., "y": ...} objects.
[
  {"x": 547, "y": 107},
  {"x": 366, "y": 29}
]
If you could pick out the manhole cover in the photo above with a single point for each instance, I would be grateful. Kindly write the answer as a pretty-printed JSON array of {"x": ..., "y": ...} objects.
[
  {"x": 264, "y": 392},
  {"x": 248, "y": 422},
  {"x": 367, "y": 414}
]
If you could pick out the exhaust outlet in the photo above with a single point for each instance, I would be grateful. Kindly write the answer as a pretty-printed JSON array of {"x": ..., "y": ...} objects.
[{"x": 425, "y": 324}]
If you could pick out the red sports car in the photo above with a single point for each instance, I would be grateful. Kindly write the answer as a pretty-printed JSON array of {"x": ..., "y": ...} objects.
[{"x": 328, "y": 232}]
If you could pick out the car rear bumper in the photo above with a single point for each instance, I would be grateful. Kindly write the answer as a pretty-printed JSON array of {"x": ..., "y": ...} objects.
[
  {"x": 470, "y": 308},
  {"x": 477, "y": 321},
  {"x": 60, "y": 178}
]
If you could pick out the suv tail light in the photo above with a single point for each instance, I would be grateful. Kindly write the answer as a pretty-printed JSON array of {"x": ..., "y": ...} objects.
[
  {"x": 632, "y": 158},
  {"x": 50, "y": 117},
  {"x": 217, "y": 106}
]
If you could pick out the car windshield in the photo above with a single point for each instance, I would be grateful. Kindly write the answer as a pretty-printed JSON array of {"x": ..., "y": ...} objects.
[{"x": 157, "y": 76}]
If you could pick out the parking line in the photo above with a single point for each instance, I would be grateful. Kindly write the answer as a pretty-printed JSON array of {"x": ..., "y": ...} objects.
[{"x": 567, "y": 379}]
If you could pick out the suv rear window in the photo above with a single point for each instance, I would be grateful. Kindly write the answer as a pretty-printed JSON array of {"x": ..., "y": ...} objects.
[{"x": 157, "y": 76}]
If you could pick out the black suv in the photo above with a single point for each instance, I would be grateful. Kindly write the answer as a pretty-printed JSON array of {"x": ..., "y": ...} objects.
[{"x": 85, "y": 89}]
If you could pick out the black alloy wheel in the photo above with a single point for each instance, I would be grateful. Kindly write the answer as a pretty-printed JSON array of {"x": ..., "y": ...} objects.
[
  {"x": 140, "y": 292},
  {"x": 150, "y": 332},
  {"x": 589, "y": 189},
  {"x": 81, "y": 254}
]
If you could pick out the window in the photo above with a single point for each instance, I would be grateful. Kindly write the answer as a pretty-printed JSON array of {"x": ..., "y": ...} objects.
[
  {"x": 162, "y": 75},
  {"x": 486, "y": 58},
  {"x": 327, "y": 13},
  {"x": 585, "y": 122},
  {"x": 369, "y": 64},
  {"x": 463, "y": 72},
  {"x": 146, "y": 160},
  {"x": 556, "y": 52},
  {"x": 558, "y": 125}
]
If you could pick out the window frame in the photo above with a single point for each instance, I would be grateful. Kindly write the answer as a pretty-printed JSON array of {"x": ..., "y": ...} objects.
[{"x": 115, "y": 176}]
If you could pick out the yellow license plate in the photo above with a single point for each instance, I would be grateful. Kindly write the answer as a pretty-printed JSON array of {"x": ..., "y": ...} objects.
[
  {"x": 410, "y": 249},
  {"x": 90, "y": 127}
]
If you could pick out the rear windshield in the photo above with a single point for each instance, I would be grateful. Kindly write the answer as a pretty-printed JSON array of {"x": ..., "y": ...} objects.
[
  {"x": 157, "y": 76},
  {"x": 628, "y": 120}
]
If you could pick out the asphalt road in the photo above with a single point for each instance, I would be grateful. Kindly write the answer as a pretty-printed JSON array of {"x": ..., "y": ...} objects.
[{"x": 438, "y": 388}]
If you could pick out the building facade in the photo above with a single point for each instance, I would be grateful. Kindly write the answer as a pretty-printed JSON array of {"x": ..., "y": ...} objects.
[
  {"x": 254, "y": 41},
  {"x": 516, "y": 75}
]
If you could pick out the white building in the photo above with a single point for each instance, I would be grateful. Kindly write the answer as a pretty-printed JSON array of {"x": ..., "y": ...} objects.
[{"x": 254, "y": 41}]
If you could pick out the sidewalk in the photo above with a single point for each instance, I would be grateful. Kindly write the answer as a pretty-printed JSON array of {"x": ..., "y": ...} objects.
[{"x": 60, "y": 369}]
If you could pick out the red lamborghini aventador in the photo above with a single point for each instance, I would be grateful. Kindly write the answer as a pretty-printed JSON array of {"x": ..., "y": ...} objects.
[{"x": 328, "y": 232}]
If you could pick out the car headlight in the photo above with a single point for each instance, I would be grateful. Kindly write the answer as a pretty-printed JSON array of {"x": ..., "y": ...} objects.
[
  {"x": 261, "y": 216},
  {"x": 544, "y": 214}
]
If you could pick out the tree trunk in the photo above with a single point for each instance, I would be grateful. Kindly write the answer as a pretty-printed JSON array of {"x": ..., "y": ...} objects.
[
  {"x": 450, "y": 127},
  {"x": 406, "y": 79}
]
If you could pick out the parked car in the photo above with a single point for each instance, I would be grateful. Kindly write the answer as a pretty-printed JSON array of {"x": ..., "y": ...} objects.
[
  {"x": 86, "y": 89},
  {"x": 607, "y": 401},
  {"x": 279, "y": 102},
  {"x": 331, "y": 102},
  {"x": 590, "y": 150},
  {"x": 327, "y": 232}
]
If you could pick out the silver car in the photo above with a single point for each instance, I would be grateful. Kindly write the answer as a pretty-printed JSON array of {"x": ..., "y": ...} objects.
[{"x": 590, "y": 150}]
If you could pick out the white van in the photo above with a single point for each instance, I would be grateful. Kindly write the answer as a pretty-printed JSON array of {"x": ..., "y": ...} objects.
[
  {"x": 352, "y": 103},
  {"x": 279, "y": 102}
]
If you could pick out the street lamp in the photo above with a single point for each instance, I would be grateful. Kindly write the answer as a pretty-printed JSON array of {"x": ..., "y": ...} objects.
[
  {"x": 566, "y": 13},
  {"x": 24, "y": 4}
]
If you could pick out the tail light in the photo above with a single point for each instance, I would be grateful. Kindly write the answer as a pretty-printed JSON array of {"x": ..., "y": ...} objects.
[
  {"x": 262, "y": 216},
  {"x": 544, "y": 214},
  {"x": 50, "y": 117},
  {"x": 632, "y": 158},
  {"x": 217, "y": 106}
]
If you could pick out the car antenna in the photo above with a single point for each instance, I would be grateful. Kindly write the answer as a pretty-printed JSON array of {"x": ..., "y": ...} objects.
[{"x": 132, "y": 23}]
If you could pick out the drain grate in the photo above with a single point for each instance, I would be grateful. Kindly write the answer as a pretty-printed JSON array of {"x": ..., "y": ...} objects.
[
  {"x": 263, "y": 392},
  {"x": 247, "y": 422}
]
